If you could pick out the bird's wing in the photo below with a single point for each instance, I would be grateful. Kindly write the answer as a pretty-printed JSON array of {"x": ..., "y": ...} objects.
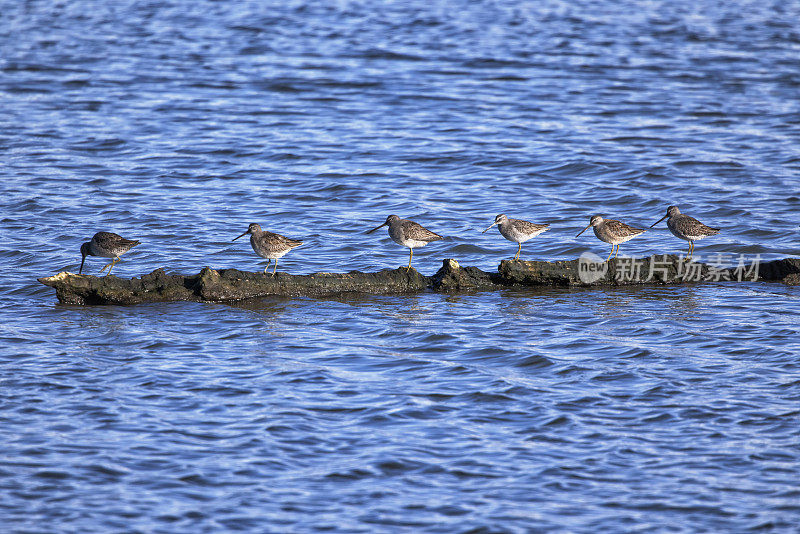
[
  {"x": 620, "y": 228},
  {"x": 412, "y": 230},
  {"x": 274, "y": 241},
  {"x": 529, "y": 227},
  {"x": 691, "y": 226}
]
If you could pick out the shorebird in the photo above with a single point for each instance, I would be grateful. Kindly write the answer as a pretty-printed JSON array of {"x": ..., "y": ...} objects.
[
  {"x": 408, "y": 233},
  {"x": 269, "y": 245},
  {"x": 106, "y": 245},
  {"x": 611, "y": 231},
  {"x": 517, "y": 230},
  {"x": 685, "y": 227}
]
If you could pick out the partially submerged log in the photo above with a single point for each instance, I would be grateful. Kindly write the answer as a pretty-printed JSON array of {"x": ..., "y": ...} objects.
[
  {"x": 226, "y": 285},
  {"x": 230, "y": 284},
  {"x": 659, "y": 269}
]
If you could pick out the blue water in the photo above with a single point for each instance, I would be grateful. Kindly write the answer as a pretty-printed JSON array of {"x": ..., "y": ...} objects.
[{"x": 672, "y": 409}]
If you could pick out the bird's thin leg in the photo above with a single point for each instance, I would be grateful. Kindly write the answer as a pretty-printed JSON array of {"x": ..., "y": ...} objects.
[
  {"x": 410, "y": 255},
  {"x": 691, "y": 249},
  {"x": 275, "y": 268},
  {"x": 111, "y": 266},
  {"x": 267, "y": 265},
  {"x": 615, "y": 254},
  {"x": 518, "y": 251},
  {"x": 610, "y": 253}
]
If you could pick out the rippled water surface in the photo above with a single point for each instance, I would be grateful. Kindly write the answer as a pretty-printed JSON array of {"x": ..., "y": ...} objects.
[{"x": 585, "y": 410}]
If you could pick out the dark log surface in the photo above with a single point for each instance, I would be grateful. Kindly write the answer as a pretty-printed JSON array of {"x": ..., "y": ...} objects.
[{"x": 232, "y": 285}]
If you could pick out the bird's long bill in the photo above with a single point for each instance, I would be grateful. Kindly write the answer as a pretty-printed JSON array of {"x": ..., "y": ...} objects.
[
  {"x": 83, "y": 259},
  {"x": 381, "y": 226},
  {"x": 245, "y": 233},
  {"x": 584, "y": 230},
  {"x": 661, "y": 219},
  {"x": 488, "y": 228}
]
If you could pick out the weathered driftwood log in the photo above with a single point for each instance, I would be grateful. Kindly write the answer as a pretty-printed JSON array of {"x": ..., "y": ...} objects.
[
  {"x": 230, "y": 284},
  {"x": 226, "y": 285},
  {"x": 659, "y": 269}
]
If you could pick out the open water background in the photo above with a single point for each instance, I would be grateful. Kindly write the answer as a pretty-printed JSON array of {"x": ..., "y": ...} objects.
[{"x": 658, "y": 409}]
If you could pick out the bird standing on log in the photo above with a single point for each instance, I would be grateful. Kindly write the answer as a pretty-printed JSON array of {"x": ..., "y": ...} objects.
[
  {"x": 269, "y": 245},
  {"x": 517, "y": 230},
  {"x": 611, "y": 231},
  {"x": 685, "y": 227},
  {"x": 408, "y": 233},
  {"x": 106, "y": 245}
]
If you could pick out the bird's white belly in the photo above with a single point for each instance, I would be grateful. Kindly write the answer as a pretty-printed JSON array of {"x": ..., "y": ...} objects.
[
  {"x": 270, "y": 254},
  {"x": 410, "y": 243},
  {"x": 516, "y": 236},
  {"x": 399, "y": 237},
  {"x": 624, "y": 239}
]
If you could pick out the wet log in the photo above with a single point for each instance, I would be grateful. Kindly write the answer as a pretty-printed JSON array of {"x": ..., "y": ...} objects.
[
  {"x": 660, "y": 269},
  {"x": 212, "y": 285},
  {"x": 226, "y": 285}
]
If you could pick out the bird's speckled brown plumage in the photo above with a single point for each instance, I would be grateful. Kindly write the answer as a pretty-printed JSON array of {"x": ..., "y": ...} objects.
[
  {"x": 106, "y": 245},
  {"x": 269, "y": 245},
  {"x": 517, "y": 230},
  {"x": 685, "y": 227},
  {"x": 408, "y": 233}
]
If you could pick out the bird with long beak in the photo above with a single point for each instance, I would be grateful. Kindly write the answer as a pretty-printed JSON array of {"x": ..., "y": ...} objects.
[
  {"x": 611, "y": 231},
  {"x": 269, "y": 245},
  {"x": 685, "y": 227},
  {"x": 517, "y": 230},
  {"x": 106, "y": 245},
  {"x": 407, "y": 233}
]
